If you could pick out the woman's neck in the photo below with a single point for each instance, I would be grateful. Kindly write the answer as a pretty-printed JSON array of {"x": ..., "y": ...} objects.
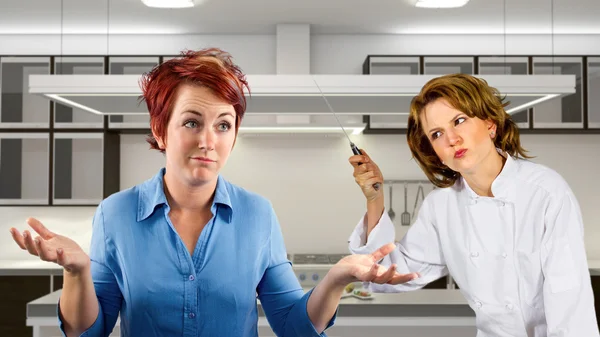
[
  {"x": 481, "y": 179},
  {"x": 182, "y": 197}
]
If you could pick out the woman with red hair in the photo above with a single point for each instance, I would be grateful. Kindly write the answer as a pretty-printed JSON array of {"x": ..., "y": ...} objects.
[{"x": 186, "y": 253}]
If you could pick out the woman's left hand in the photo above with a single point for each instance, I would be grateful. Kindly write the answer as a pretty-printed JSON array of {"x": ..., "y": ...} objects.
[{"x": 365, "y": 268}]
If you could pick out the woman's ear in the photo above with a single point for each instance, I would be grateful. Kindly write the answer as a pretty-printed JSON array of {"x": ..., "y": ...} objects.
[
  {"x": 159, "y": 140},
  {"x": 492, "y": 127}
]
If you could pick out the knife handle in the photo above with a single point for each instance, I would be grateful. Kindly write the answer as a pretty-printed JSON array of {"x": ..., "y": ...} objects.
[{"x": 356, "y": 151}]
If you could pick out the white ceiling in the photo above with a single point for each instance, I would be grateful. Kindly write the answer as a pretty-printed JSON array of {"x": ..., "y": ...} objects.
[{"x": 325, "y": 16}]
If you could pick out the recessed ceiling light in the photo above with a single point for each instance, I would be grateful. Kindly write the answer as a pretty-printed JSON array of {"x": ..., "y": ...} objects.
[
  {"x": 169, "y": 3},
  {"x": 441, "y": 3}
]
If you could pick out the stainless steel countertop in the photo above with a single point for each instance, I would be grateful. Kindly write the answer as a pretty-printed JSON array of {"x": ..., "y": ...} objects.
[
  {"x": 420, "y": 303},
  {"x": 34, "y": 266}
]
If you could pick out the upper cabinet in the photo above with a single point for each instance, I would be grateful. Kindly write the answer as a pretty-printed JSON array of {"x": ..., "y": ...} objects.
[
  {"x": 449, "y": 65},
  {"x": 24, "y": 168},
  {"x": 393, "y": 66},
  {"x": 137, "y": 117},
  {"x": 593, "y": 92},
  {"x": 564, "y": 112},
  {"x": 69, "y": 117},
  {"x": 572, "y": 113},
  {"x": 18, "y": 108},
  {"x": 78, "y": 168},
  {"x": 489, "y": 65}
]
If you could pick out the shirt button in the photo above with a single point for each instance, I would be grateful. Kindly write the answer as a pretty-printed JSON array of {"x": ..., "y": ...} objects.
[
  {"x": 504, "y": 255},
  {"x": 510, "y": 306},
  {"x": 192, "y": 277},
  {"x": 191, "y": 315},
  {"x": 478, "y": 304},
  {"x": 474, "y": 254}
]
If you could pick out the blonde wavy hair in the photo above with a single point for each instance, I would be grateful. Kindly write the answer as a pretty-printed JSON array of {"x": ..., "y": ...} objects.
[{"x": 472, "y": 96}]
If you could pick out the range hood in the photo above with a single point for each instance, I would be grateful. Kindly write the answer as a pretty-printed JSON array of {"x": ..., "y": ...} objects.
[{"x": 290, "y": 103}]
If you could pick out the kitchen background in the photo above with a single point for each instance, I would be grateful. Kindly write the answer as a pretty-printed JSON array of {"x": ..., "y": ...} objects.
[{"x": 306, "y": 176}]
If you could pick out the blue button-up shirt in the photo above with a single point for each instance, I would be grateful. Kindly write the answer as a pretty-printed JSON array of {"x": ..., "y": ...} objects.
[{"x": 143, "y": 271}]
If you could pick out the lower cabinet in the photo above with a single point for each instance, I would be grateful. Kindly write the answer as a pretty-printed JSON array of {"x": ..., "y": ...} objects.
[{"x": 15, "y": 292}]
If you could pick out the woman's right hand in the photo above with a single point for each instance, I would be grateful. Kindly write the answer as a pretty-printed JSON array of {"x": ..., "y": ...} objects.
[
  {"x": 366, "y": 175},
  {"x": 49, "y": 246}
]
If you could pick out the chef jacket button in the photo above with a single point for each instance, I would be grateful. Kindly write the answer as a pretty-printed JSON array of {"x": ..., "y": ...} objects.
[
  {"x": 504, "y": 255},
  {"x": 510, "y": 306},
  {"x": 474, "y": 254},
  {"x": 478, "y": 304}
]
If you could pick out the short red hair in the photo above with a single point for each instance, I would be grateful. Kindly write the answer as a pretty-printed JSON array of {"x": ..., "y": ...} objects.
[{"x": 211, "y": 68}]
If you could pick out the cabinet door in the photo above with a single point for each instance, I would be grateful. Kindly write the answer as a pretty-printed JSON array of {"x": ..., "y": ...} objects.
[
  {"x": 593, "y": 92},
  {"x": 507, "y": 66},
  {"x": 66, "y": 116},
  {"x": 449, "y": 65},
  {"x": 78, "y": 168},
  {"x": 24, "y": 169},
  {"x": 137, "y": 117},
  {"x": 565, "y": 112},
  {"x": 19, "y": 108},
  {"x": 393, "y": 66}
]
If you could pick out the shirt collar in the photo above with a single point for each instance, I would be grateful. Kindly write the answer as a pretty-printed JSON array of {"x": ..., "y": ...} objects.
[
  {"x": 152, "y": 195},
  {"x": 503, "y": 187}
]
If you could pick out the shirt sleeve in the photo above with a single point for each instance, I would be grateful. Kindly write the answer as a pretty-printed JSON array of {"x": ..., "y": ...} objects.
[
  {"x": 567, "y": 290},
  {"x": 105, "y": 284},
  {"x": 281, "y": 296},
  {"x": 418, "y": 251}
]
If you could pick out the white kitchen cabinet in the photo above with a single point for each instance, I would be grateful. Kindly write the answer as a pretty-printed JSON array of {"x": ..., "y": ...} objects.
[
  {"x": 510, "y": 65},
  {"x": 449, "y": 65},
  {"x": 394, "y": 65},
  {"x": 78, "y": 168},
  {"x": 131, "y": 66},
  {"x": 69, "y": 117},
  {"x": 565, "y": 112},
  {"x": 24, "y": 168},
  {"x": 593, "y": 92},
  {"x": 18, "y": 108}
]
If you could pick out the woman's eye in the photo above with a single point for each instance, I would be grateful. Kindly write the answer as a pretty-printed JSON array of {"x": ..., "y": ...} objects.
[
  {"x": 436, "y": 135},
  {"x": 460, "y": 120},
  {"x": 191, "y": 124},
  {"x": 224, "y": 126}
]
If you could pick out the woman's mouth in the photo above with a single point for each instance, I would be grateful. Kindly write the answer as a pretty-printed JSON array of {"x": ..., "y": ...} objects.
[{"x": 460, "y": 153}]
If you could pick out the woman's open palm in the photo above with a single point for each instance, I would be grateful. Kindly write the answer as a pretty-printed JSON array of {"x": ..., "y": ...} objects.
[
  {"x": 49, "y": 246},
  {"x": 366, "y": 268}
]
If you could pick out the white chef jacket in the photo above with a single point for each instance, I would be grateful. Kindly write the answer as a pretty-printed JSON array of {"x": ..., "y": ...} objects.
[{"x": 518, "y": 257}]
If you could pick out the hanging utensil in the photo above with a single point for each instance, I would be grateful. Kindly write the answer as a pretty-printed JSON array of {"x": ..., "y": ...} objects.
[
  {"x": 405, "y": 217},
  {"x": 391, "y": 212},
  {"x": 422, "y": 192}
]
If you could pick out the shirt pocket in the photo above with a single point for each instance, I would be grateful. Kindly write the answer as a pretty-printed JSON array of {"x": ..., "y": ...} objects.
[{"x": 559, "y": 266}]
